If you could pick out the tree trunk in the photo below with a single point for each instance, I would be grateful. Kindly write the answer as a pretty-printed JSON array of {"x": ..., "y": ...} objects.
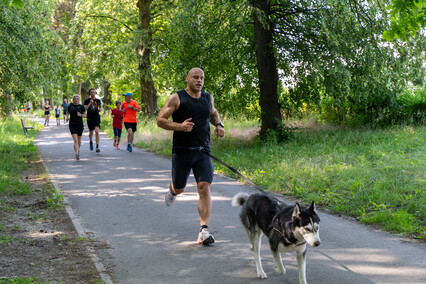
[
  {"x": 148, "y": 91},
  {"x": 84, "y": 91},
  {"x": 8, "y": 106},
  {"x": 106, "y": 100},
  {"x": 266, "y": 67},
  {"x": 79, "y": 87}
]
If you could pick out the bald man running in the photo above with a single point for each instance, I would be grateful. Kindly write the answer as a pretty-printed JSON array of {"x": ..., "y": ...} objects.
[{"x": 191, "y": 110}]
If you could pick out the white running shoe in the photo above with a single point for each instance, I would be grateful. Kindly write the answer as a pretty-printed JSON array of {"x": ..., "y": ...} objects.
[
  {"x": 170, "y": 197},
  {"x": 204, "y": 237}
]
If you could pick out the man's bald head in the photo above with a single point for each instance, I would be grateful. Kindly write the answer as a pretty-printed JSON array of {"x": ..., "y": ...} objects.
[
  {"x": 195, "y": 80},
  {"x": 195, "y": 70}
]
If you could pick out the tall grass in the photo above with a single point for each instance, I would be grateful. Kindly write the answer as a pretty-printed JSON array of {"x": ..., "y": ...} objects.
[
  {"x": 377, "y": 176},
  {"x": 16, "y": 149}
]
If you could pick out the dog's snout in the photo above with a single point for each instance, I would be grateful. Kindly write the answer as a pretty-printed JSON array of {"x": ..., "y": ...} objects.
[{"x": 317, "y": 243}]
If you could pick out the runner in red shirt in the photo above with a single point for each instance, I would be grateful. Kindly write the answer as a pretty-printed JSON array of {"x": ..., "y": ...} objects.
[
  {"x": 130, "y": 108},
  {"x": 117, "y": 123}
]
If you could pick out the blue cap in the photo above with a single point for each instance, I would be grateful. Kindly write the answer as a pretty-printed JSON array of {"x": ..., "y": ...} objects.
[{"x": 128, "y": 94}]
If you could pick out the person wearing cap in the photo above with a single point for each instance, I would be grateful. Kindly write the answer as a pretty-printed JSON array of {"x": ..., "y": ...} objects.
[
  {"x": 130, "y": 107},
  {"x": 93, "y": 107},
  {"x": 191, "y": 110}
]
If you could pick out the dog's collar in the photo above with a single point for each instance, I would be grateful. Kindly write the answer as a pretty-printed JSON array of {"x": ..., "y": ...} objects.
[{"x": 276, "y": 227}]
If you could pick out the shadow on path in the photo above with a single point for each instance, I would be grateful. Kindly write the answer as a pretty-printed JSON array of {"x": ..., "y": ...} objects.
[{"x": 119, "y": 197}]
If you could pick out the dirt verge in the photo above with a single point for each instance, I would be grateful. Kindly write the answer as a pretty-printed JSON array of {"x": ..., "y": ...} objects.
[{"x": 38, "y": 239}]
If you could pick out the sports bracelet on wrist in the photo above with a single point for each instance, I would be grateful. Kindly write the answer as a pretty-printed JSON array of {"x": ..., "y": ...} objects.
[{"x": 220, "y": 124}]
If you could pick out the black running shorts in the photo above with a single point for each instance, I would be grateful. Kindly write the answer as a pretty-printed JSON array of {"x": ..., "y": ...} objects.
[
  {"x": 76, "y": 129},
  {"x": 92, "y": 124},
  {"x": 132, "y": 125},
  {"x": 182, "y": 163}
]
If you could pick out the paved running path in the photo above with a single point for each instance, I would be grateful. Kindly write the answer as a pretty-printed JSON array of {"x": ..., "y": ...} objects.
[{"x": 118, "y": 197}]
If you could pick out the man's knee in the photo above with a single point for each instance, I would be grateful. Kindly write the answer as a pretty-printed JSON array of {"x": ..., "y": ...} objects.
[
  {"x": 178, "y": 190},
  {"x": 203, "y": 188}
]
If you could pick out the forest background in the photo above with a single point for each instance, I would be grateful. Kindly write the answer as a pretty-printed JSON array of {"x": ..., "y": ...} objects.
[
  {"x": 356, "y": 65},
  {"x": 349, "y": 62}
]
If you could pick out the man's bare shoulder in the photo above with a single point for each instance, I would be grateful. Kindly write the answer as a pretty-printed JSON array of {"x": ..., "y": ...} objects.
[
  {"x": 174, "y": 95},
  {"x": 171, "y": 105},
  {"x": 173, "y": 100}
]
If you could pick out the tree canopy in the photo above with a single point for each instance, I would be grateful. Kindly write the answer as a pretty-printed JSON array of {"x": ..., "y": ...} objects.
[
  {"x": 331, "y": 58},
  {"x": 407, "y": 18},
  {"x": 31, "y": 53}
]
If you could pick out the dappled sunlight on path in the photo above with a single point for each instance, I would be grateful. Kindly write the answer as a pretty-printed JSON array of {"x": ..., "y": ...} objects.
[{"x": 119, "y": 197}]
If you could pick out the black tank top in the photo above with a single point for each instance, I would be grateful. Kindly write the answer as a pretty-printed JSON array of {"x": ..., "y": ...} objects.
[{"x": 199, "y": 110}]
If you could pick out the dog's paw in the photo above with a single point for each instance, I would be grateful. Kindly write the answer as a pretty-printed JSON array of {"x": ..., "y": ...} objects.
[
  {"x": 279, "y": 269},
  {"x": 262, "y": 275}
]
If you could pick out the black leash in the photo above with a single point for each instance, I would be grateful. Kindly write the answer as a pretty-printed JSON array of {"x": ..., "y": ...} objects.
[{"x": 205, "y": 151}]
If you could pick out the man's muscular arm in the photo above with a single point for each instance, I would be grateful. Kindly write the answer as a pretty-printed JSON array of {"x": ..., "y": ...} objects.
[
  {"x": 214, "y": 114},
  {"x": 215, "y": 120},
  {"x": 169, "y": 108}
]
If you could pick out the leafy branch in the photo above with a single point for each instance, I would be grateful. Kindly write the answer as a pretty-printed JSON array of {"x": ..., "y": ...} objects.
[{"x": 111, "y": 18}]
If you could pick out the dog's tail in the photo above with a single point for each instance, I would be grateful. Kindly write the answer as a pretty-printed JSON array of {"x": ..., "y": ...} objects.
[{"x": 239, "y": 199}]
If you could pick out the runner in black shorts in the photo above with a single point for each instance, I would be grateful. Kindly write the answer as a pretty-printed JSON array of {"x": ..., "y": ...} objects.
[
  {"x": 130, "y": 109},
  {"x": 76, "y": 112},
  {"x": 65, "y": 105},
  {"x": 192, "y": 110},
  {"x": 47, "y": 108},
  {"x": 93, "y": 108}
]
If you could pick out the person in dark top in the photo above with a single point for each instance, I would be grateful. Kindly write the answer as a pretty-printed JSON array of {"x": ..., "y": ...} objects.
[
  {"x": 192, "y": 110},
  {"x": 47, "y": 108},
  {"x": 93, "y": 107},
  {"x": 76, "y": 112},
  {"x": 57, "y": 114},
  {"x": 65, "y": 105}
]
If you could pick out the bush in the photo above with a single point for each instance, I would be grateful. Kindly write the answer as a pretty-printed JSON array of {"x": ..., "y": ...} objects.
[{"x": 412, "y": 106}]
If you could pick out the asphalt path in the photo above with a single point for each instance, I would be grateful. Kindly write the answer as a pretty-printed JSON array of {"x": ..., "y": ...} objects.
[{"x": 118, "y": 197}]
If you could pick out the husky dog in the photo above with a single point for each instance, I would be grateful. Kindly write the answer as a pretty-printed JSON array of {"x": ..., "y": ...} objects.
[{"x": 288, "y": 229}]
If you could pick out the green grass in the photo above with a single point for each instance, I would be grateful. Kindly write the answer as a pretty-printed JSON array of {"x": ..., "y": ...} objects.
[
  {"x": 377, "y": 176},
  {"x": 20, "y": 281},
  {"x": 4, "y": 240},
  {"x": 16, "y": 149}
]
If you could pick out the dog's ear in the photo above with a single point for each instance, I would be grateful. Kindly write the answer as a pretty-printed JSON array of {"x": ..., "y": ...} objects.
[
  {"x": 296, "y": 211},
  {"x": 313, "y": 207}
]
